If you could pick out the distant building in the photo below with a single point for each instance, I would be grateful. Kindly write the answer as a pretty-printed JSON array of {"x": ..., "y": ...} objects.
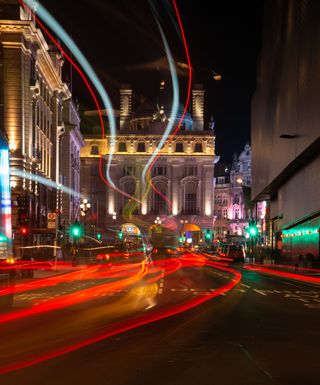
[
  {"x": 33, "y": 97},
  {"x": 232, "y": 200},
  {"x": 183, "y": 173},
  {"x": 285, "y": 128}
]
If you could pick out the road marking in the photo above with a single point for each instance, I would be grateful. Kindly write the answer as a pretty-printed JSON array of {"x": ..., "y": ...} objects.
[
  {"x": 247, "y": 286},
  {"x": 259, "y": 292}
]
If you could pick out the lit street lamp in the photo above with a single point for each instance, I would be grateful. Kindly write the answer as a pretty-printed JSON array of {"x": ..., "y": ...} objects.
[
  {"x": 114, "y": 217},
  {"x": 157, "y": 221},
  {"x": 84, "y": 207}
]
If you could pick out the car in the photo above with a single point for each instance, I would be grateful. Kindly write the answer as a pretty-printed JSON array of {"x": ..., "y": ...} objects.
[{"x": 235, "y": 252}]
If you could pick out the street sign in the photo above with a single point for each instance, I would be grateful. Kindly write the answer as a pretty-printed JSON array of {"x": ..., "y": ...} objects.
[{"x": 52, "y": 220}]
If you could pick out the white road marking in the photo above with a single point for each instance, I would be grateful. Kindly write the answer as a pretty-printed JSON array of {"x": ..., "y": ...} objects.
[
  {"x": 247, "y": 286},
  {"x": 259, "y": 292}
]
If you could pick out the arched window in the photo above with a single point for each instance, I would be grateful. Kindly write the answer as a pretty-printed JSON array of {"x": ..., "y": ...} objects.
[
  {"x": 94, "y": 150},
  {"x": 179, "y": 147},
  {"x": 122, "y": 147},
  {"x": 129, "y": 187},
  {"x": 190, "y": 198},
  {"x": 159, "y": 205}
]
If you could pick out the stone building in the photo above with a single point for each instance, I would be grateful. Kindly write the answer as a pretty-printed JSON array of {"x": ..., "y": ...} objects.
[
  {"x": 183, "y": 173},
  {"x": 33, "y": 96},
  {"x": 232, "y": 200}
]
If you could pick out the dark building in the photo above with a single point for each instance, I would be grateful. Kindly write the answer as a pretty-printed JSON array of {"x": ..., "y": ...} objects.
[{"x": 285, "y": 127}]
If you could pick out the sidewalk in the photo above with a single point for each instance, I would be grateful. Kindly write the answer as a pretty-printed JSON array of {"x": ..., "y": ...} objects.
[{"x": 310, "y": 275}]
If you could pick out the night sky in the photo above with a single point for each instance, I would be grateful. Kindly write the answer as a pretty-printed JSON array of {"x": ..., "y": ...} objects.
[{"x": 122, "y": 42}]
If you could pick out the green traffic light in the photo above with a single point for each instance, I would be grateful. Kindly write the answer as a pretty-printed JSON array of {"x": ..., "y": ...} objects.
[
  {"x": 3, "y": 238},
  {"x": 98, "y": 236},
  {"x": 120, "y": 235},
  {"x": 76, "y": 231}
]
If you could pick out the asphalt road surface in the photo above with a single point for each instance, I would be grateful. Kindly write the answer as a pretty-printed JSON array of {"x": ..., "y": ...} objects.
[{"x": 266, "y": 330}]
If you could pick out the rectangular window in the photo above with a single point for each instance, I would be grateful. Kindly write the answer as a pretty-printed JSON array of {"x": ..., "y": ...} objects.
[
  {"x": 225, "y": 213},
  {"x": 122, "y": 147},
  {"x": 159, "y": 170},
  {"x": 191, "y": 171},
  {"x": 198, "y": 147},
  {"x": 128, "y": 170},
  {"x": 236, "y": 213},
  {"x": 179, "y": 147},
  {"x": 141, "y": 147},
  {"x": 219, "y": 214}
]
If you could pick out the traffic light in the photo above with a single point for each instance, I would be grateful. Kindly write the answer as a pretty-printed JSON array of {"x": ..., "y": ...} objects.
[
  {"x": 208, "y": 236},
  {"x": 24, "y": 230},
  {"x": 3, "y": 238},
  {"x": 120, "y": 235},
  {"x": 76, "y": 231},
  {"x": 252, "y": 230},
  {"x": 98, "y": 236}
]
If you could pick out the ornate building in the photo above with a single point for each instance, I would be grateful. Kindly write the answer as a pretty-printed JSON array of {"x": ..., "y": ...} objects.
[
  {"x": 183, "y": 173},
  {"x": 34, "y": 95}
]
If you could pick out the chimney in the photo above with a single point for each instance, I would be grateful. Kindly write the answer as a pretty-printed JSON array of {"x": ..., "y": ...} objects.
[
  {"x": 198, "y": 107},
  {"x": 125, "y": 106}
]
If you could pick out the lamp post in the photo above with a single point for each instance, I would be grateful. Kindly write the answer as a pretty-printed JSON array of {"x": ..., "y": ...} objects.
[
  {"x": 183, "y": 222},
  {"x": 84, "y": 207},
  {"x": 114, "y": 217}
]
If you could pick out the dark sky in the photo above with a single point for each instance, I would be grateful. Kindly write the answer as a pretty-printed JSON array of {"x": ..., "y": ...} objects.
[{"x": 120, "y": 35}]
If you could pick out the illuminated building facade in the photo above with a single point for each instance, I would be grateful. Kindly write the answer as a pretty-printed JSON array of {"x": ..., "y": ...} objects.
[
  {"x": 232, "y": 208},
  {"x": 183, "y": 173},
  {"x": 285, "y": 129},
  {"x": 33, "y": 96}
]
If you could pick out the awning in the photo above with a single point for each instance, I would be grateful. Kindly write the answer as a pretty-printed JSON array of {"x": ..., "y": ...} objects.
[{"x": 190, "y": 227}]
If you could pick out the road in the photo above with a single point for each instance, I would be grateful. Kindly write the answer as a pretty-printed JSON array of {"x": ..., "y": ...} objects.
[{"x": 264, "y": 331}]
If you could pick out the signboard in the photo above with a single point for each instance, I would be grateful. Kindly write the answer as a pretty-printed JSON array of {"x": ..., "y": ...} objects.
[{"x": 52, "y": 220}]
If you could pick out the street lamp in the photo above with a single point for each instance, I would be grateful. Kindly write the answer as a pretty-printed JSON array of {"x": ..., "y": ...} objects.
[
  {"x": 182, "y": 238},
  {"x": 114, "y": 217},
  {"x": 84, "y": 207},
  {"x": 157, "y": 221}
]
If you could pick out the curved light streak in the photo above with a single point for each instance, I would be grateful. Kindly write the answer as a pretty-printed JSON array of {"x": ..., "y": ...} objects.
[
  {"x": 175, "y": 103},
  {"x": 186, "y": 103}
]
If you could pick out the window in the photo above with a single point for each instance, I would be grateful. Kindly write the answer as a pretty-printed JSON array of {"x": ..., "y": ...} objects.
[
  {"x": 198, "y": 147},
  {"x": 141, "y": 147},
  {"x": 191, "y": 171},
  {"x": 190, "y": 198},
  {"x": 179, "y": 147},
  {"x": 94, "y": 150},
  {"x": 218, "y": 199},
  {"x": 159, "y": 170},
  {"x": 225, "y": 213},
  {"x": 236, "y": 199},
  {"x": 219, "y": 214},
  {"x": 236, "y": 213},
  {"x": 247, "y": 181},
  {"x": 122, "y": 147},
  {"x": 139, "y": 127},
  {"x": 183, "y": 127},
  {"x": 128, "y": 170},
  {"x": 224, "y": 200},
  {"x": 158, "y": 201}
]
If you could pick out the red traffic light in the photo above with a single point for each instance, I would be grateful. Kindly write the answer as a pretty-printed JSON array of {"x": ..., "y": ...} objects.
[{"x": 24, "y": 230}]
